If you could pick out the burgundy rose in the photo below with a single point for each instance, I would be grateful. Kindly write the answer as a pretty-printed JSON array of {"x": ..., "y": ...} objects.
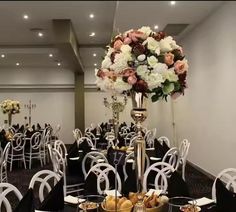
[
  {"x": 128, "y": 72},
  {"x": 140, "y": 86},
  {"x": 101, "y": 74},
  {"x": 138, "y": 49},
  {"x": 159, "y": 35}
]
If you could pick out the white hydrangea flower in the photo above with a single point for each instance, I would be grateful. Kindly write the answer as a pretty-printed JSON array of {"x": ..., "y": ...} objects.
[
  {"x": 120, "y": 85},
  {"x": 106, "y": 63},
  {"x": 141, "y": 57},
  {"x": 152, "y": 61},
  {"x": 126, "y": 48},
  {"x": 142, "y": 70},
  {"x": 172, "y": 42},
  {"x": 105, "y": 84},
  {"x": 160, "y": 67},
  {"x": 170, "y": 75},
  {"x": 146, "y": 30},
  {"x": 154, "y": 80},
  {"x": 110, "y": 51},
  {"x": 121, "y": 62}
]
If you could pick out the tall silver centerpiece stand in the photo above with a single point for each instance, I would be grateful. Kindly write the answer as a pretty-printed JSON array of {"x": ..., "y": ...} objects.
[
  {"x": 30, "y": 107},
  {"x": 139, "y": 115}
]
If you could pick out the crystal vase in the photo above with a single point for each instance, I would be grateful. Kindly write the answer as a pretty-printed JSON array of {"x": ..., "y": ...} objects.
[{"x": 139, "y": 114}]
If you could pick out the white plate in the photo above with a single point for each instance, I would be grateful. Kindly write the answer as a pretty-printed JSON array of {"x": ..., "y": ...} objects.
[
  {"x": 112, "y": 193},
  {"x": 198, "y": 209},
  {"x": 202, "y": 201},
  {"x": 73, "y": 200}
]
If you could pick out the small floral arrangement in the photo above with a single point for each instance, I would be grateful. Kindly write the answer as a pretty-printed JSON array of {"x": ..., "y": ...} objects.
[
  {"x": 10, "y": 106},
  {"x": 143, "y": 61}
]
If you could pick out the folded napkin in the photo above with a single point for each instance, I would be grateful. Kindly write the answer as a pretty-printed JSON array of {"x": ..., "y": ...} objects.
[
  {"x": 130, "y": 184},
  {"x": 27, "y": 203},
  {"x": 73, "y": 200},
  {"x": 201, "y": 201},
  {"x": 150, "y": 192},
  {"x": 225, "y": 199},
  {"x": 158, "y": 149},
  {"x": 54, "y": 201},
  {"x": 177, "y": 186},
  {"x": 165, "y": 147}
]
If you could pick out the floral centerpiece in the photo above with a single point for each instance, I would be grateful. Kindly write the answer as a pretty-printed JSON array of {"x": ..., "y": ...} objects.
[
  {"x": 10, "y": 107},
  {"x": 143, "y": 61}
]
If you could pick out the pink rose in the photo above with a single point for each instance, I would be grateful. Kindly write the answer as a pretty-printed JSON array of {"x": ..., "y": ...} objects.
[
  {"x": 169, "y": 59},
  {"x": 128, "y": 72},
  {"x": 135, "y": 35},
  {"x": 101, "y": 74},
  {"x": 117, "y": 44},
  {"x": 132, "y": 79},
  {"x": 180, "y": 67},
  {"x": 127, "y": 40}
]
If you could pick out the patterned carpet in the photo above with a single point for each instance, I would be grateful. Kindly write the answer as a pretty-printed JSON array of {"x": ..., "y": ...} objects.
[{"x": 199, "y": 184}]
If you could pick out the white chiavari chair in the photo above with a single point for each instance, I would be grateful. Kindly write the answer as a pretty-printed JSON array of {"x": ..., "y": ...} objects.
[
  {"x": 3, "y": 164},
  {"x": 172, "y": 157},
  {"x": 183, "y": 150}
]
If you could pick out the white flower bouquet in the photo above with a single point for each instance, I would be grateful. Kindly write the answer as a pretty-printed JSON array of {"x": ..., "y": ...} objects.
[
  {"x": 143, "y": 61},
  {"x": 10, "y": 106}
]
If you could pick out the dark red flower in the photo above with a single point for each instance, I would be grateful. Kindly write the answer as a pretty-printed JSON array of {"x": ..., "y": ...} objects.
[
  {"x": 140, "y": 86},
  {"x": 138, "y": 49},
  {"x": 159, "y": 36}
]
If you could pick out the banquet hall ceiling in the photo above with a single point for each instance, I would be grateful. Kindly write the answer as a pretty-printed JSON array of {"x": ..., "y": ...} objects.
[{"x": 19, "y": 41}]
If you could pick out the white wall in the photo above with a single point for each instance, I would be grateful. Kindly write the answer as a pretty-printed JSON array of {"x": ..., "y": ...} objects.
[
  {"x": 53, "y": 105},
  {"x": 206, "y": 115}
]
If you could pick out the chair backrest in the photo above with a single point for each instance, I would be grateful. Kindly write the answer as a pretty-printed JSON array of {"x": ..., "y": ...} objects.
[
  {"x": 228, "y": 176},
  {"x": 92, "y": 158},
  {"x": 57, "y": 130},
  {"x": 129, "y": 157},
  {"x": 85, "y": 139},
  {"x": 150, "y": 134},
  {"x": 110, "y": 137},
  {"x": 35, "y": 141},
  {"x": 12, "y": 130},
  {"x": 77, "y": 134},
  {"x": 164, "y": 139},
  {"x": 172, "y": 157},
  {"x": 61, "y": 148},
  {"x": 162, "y": 171},
  {"x": 92, "y": 137},
  {"x": 3, "y": 163},
  {"x": 183, "y": 149},
  {"x": 47, "y": 180},
  {"x": 132, "y": 141},
  {"x": 128, "y": 137},
  {"x": 102, "y": 170},
  {"x": 18, "y": 142},
  {"x": 6, "y": 188}
]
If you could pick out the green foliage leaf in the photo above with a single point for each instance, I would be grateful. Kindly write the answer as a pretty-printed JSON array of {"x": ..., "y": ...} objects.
[{"x": 168, "y": 88}]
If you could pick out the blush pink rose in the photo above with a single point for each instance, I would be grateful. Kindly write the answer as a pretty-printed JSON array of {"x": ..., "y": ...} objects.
[
  {"x": 101, "y": 74},
  {"x": 180, "y": 67},
  {"x": 132, "y": 79},
  {"x": 135, "y": 35},
  {"x": 169, "y": 59},
  {"x": 127, "y": 40},
  {"x": 128, "y": 72},
  {"x": 117, "y": 44}
]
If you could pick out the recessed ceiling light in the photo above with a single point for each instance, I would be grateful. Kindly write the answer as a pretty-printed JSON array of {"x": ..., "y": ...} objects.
[
  {"x": 40, "y": 34},
  {"x": 92, "y": 34},
  {"x": 25, "y": 16},
  {"x": 95, "y": 64},
  {"x": 94, "y": 54},
  {"x": 2, "y": 55},
  {"x": 172, "y": 2},
  {"x": 156, "y": 27},
  {"x": 59, "y": 64},
  {"x": 50, "y": 55},
  {"x": 91, "y": 15},
  {"x": 17, "y": 64}
]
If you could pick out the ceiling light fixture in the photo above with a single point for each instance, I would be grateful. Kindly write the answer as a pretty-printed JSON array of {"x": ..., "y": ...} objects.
[
  {"x": 91, "y": 15},
  {"x": 94, "y": 54},
  {"x": 172, "y": 2},
  {"x": 156, "y": 27},
  {"x": 50, "y": 55},
  {"x": 25, "y": 16},
  {"x": 95, "y": 64},
  {"x": 3, "y": 55},
  {"x": 58, "y": 64},
  {"x": 40, "y": 34},
  {"x": 17, "y": 64},
  {"x": 92, "y": 34}
]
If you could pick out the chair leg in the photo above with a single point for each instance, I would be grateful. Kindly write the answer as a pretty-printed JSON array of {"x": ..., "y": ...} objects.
[
  {"x": 183, "y": 171},
  {"x": 11, "y": 163},
  {"x": 24, "y": 161},
  {"x": 30, "y": 160}
]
